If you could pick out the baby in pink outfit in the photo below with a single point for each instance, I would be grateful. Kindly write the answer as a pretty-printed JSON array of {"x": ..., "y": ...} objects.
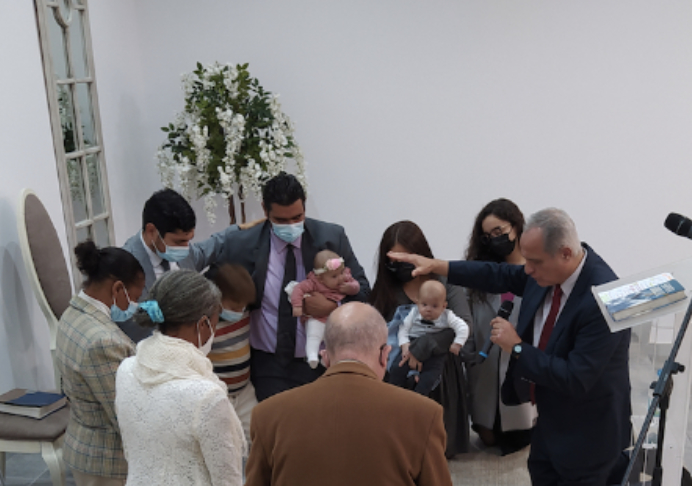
[{"x": 330, "y": 278}]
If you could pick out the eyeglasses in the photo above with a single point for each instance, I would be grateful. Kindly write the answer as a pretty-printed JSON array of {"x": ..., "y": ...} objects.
[{"x": 494, "y": 233}]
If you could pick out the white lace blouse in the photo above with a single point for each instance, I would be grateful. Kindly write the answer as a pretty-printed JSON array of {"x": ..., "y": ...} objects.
[{"x": 177, "y": 424}]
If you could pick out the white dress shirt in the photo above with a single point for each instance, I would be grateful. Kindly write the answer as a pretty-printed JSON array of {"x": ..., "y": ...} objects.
[
  {"x": 156, "y": 260},
  {"x": 96, "y": 303},
  {"x": 542, "y": 314}
]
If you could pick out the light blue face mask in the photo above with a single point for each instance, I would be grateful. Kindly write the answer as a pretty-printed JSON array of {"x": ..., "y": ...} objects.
[
  {"x": 119, "y": 315},
  {"x": 288, "y": 232},
  {"x": 231, "y": 316},
  {"x": 173, "y": 253}
]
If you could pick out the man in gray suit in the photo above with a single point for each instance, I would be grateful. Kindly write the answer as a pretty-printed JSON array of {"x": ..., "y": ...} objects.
[
  {"x": 163, "y": 244},
  {"x": 276, "y": 252}
]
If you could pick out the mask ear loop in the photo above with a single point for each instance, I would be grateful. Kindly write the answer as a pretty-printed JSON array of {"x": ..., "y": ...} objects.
[
  {"x": 129, "y": 301},
  {"x": 115, "y": 301},
  {"x": 165, "y": 246},
  {"x": 199, "y": 336},
  {"x": 127, "y": 296}
]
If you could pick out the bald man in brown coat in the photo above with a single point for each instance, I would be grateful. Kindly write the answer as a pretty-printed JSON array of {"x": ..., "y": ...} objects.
[{"x": 348, "y": 427}]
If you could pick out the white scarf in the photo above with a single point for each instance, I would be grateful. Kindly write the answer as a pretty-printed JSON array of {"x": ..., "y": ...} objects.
[{"x": 162, "y": 358}]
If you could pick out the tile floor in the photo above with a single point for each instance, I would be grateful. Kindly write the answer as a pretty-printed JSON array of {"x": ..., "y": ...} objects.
[
  {"x": 29, "y": 469},
  {"x": 480, "y": 467}
]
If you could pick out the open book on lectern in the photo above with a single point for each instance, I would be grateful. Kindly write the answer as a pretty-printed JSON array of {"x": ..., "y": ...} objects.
[{"x": 645, "y": 296}]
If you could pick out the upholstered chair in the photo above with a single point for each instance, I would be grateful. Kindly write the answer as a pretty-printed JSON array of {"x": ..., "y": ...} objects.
[{"x": 50, "y": 280}]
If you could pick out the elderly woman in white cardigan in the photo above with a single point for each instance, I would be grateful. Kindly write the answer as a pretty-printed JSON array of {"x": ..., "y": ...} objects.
[{"x": 177, "y": 424}]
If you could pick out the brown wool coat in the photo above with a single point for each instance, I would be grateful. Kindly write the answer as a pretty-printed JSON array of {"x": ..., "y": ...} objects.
[{"x": 347, "y": 428}]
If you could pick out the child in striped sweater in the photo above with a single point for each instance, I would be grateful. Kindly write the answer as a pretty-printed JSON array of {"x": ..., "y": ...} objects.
[{"x": 230, "y": 352}]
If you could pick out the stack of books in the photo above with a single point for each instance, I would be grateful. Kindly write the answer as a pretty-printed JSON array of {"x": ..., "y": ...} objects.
[{"x": 32, "y": 404}]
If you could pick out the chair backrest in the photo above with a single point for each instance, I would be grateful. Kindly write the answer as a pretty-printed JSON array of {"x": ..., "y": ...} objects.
[{"x": 44, "y": 261}]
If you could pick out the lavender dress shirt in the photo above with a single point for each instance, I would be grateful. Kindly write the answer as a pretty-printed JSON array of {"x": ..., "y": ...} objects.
[{"x": 264, "y": 321}]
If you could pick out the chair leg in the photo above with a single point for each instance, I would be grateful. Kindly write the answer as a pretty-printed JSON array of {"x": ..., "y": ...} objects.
[
  {"x": 52, "y": 455},
  {"x": 3, "y": 468}
]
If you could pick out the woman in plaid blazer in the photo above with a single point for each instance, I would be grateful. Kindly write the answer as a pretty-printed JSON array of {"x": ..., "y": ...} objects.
[{"x": 90, "y": 347}]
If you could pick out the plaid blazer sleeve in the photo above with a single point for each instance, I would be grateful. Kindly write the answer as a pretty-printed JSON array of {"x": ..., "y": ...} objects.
[{"x": 99, "y": 368}]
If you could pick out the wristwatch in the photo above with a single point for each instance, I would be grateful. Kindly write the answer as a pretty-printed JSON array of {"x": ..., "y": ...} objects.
[{"x": 516, "y": 351}]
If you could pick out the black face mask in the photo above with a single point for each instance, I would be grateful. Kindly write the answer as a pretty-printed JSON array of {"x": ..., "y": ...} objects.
[
  {"x": 402, "y": 270},
  {"x": 501, "y": 245}
]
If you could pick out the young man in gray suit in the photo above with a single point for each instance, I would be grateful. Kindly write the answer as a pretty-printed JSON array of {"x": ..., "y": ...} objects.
[
  {"x": 164, "y": 243},
  {"x": 276, "y": 252}
]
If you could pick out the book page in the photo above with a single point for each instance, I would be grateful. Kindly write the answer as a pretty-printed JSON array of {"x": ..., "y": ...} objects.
[{"x": 633, "y": 288}]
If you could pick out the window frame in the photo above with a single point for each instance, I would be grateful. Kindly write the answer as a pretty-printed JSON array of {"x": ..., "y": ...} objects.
[{"x": 97, "y": 149}]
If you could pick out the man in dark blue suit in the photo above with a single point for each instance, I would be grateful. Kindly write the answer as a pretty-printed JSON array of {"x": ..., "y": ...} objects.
[{"x": 563, "y": 354}]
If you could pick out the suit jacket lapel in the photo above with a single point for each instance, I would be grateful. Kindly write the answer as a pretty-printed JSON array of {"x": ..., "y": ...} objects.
[
  {"x": 261, "y": 258},
  {"x": 140, "y": 253},
  {"x": 572, "y": 305},
  {"x": 529, "y": 306},
  {"x": 308, "y": 248}
]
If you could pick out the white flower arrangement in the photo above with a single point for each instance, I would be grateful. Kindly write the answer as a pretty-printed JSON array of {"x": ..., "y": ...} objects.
[{"x": 229, "y": 140}]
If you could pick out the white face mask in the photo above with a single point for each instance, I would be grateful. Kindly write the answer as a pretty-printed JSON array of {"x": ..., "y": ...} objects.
[{"x": 206, "y": 348}]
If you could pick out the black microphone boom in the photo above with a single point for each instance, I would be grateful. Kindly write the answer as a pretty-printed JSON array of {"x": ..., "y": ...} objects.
[
  {"x": 679, "y": 224},
  {"x": 504, "y": 312}
]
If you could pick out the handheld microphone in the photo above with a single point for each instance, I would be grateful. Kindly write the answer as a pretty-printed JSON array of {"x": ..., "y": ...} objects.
[
  {"x": 504, "y": 312},
  {"x": 679, "y": 224}
]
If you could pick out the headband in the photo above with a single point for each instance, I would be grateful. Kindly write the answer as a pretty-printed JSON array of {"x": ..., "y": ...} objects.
[
  {"x": 152, "y": 308},
  {"x": 330, "y": 265}
]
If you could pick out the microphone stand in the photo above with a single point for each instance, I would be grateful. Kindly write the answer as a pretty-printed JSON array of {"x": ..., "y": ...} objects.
[{"x": 663, "y": 387}]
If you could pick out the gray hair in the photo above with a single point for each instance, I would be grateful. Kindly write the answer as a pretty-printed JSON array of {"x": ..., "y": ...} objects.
[
  {"x": 355, "y": 328},
  {"x": 183, "y": 296},
  {"x": 559, "y": 231}
]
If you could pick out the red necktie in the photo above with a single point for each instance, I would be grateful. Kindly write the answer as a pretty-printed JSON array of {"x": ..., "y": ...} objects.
[
  {"x": 548, "y": 328},
  {"x": 552, "y": 316}
]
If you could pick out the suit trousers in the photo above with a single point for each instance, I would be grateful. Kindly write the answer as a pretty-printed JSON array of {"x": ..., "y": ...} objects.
[
  {"x": 269, "y": 377},
  {"x": 545, "y": 471}
]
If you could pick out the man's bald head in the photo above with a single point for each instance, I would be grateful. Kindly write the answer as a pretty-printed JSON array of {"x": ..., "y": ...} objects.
[{"x": 356, "y": 331}]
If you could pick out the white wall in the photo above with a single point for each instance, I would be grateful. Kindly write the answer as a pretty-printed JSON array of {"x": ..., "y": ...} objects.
[
  {"x": 404, "y": 109},
  {"x": 428, "y": 110},
  {"x": 28, "y": 160}
]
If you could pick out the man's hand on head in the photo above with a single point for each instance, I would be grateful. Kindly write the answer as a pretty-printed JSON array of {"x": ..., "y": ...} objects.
[{"x": 423, "y": 265}]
